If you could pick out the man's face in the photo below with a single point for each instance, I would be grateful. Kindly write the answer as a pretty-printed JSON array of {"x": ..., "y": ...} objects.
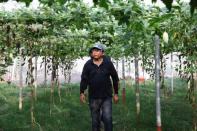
[{"x": 96, "y": 53}]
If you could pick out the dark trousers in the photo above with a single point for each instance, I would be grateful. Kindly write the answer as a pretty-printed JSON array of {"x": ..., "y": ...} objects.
[{"x": 101, "y": 110}]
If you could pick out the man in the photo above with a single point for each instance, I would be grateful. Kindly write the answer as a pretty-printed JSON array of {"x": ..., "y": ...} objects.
[{"x": 96, "y": 76}]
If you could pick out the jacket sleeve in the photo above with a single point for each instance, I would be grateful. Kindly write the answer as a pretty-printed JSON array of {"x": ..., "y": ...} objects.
[
  {"x": 115, "y": 78},
  {"x": 84, "y": 79}
]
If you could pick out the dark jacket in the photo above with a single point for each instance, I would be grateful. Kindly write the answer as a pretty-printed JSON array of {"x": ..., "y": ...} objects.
[{"x": 97, "y": 79}]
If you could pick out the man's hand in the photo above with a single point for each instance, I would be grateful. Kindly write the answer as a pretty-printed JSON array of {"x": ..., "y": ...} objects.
[
  {"x": 82, "y": 98},
  {"x": 115, "y": 98}
]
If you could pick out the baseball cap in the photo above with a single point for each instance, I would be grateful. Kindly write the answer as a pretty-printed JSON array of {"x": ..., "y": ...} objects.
[{"x": 97, "y": 45}]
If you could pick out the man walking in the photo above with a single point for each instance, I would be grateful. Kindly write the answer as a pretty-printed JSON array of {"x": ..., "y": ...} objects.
[{"x": 96, "y": 76}]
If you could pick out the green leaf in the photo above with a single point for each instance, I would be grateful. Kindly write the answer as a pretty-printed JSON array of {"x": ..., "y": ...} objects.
[
  {"x": 101, "y": 3},
  {"x": 155, "y": 21}
]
